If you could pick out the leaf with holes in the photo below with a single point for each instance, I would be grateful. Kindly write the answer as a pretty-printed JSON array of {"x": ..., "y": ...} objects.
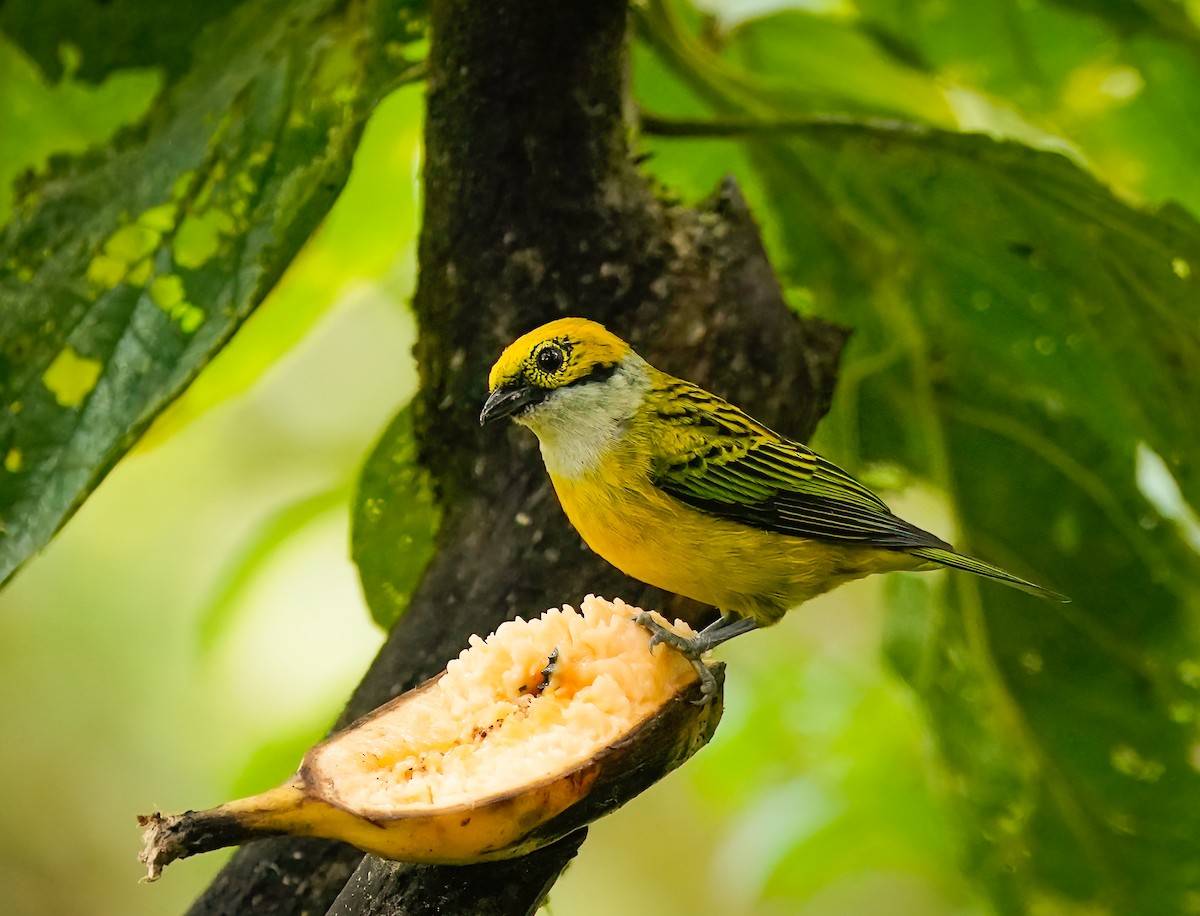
[
  {"x": 92, "y": 40},
  {"x": 123, "y": 271}
]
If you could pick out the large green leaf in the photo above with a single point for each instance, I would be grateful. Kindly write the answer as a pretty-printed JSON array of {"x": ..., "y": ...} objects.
[
  {"x": 123, "y": 271},
  {"x": 805, "y": 65},
  {"x": 803, "y": 60},
  {"x": 1029, "y": 343},
  {"x": 1169, "y": 18}
]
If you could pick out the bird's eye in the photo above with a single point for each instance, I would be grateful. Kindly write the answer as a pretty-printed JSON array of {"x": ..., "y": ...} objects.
[{"x": 550, "y": 359}]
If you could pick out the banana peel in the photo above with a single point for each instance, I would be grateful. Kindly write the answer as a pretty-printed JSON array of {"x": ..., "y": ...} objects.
[{"x": 525, "y": 738}]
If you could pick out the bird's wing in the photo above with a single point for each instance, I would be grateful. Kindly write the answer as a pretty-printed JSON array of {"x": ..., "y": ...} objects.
[{"x": 716, "y": 458}]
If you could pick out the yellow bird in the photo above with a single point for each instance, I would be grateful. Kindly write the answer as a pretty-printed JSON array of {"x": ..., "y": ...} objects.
[{"x": 678, "y": 488}]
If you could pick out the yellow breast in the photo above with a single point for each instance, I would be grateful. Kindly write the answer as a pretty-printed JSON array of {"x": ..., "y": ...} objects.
[{"x": 655, "y": 538}]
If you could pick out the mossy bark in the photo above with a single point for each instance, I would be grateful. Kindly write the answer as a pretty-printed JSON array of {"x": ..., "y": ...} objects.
[{"x": 535, "y": 209}]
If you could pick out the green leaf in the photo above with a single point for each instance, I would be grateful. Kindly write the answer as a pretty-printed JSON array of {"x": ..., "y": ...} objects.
[
  {"x": 1118, "y": 79},
  {"x": 798, "y": 56},
  {"x": 124, "y": 271},
  {"x": 394, "y": 523},
  {"x": 807, "y": 65},
  {"x": 368, "y": 237},
  {"x": 1039, "y": 320},
  {"x": 1167, "y": 17},
  {"x": 43, "y": 118},
  {"x": 90, "y": 39},
  {"x": 1021, "y": 337}
]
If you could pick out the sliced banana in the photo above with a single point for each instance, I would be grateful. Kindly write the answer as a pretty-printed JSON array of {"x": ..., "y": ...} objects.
[{"x": 524, "y": 738}]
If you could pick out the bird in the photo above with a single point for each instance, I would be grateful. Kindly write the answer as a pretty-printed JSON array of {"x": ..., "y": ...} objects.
[{"x": 680, "y": 489}]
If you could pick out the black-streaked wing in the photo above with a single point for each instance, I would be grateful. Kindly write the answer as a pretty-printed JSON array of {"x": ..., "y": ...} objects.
[{"x": 716, "y": 458}]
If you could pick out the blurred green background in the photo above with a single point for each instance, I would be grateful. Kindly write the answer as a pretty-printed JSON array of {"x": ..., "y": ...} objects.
[{"x": 199, "y": 622}]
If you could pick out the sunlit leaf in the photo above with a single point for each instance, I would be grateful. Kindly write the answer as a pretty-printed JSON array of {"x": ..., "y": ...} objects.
[
  {"x": 369, "y": 236},
  {"x": 1169, "y": 18},
  {"x": 1120, "y": 80},
  {"x": 394, "y": 522},
  {"x": 42, "y": 118},
  {"x": 805, "y": 64},
  {"x": 798, "y": 55},
  {"x": 124, "y": 271}
]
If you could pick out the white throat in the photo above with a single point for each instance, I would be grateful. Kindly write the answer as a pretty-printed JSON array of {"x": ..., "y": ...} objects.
[{"x": 580, "y": 424}]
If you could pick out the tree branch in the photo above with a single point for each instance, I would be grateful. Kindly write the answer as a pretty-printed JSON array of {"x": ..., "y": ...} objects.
[
  {"x": 660, "y": 125},
  {"x": 512, "y": 888},
  {"x": 534, "y": 210}
]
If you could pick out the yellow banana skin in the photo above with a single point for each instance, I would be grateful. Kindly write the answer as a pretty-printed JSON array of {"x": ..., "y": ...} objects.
[{"x": 499, "y": 827}]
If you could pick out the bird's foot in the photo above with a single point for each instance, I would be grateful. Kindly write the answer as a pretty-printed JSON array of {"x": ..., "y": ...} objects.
[
  {"x": 717, "y": 632},
  {"x": 666, "y": 636},
  {"x": 692, "y": 649}
]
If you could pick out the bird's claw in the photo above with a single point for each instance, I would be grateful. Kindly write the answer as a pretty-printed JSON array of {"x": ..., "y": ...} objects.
[
  {"x": 708, "y": 683},
  {"x": 660, "y": 635},
  {"x": 659, "y": 638}
]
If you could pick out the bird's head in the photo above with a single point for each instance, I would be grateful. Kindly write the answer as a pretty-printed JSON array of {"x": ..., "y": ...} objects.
[{"x": 569, "y": 370}]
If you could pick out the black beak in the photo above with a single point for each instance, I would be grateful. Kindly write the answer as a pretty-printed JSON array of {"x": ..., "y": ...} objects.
[{"x": 508, "y": 400}]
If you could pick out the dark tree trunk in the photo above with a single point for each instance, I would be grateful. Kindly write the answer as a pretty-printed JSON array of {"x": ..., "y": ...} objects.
[{"x": 535, "y": 210}]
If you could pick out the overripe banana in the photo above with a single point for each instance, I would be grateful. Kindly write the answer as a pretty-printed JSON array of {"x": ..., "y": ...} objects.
[{"x": 524, "y": 738}]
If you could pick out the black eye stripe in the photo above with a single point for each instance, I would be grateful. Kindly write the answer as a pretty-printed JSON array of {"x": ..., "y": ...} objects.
[{"x": 602, "y": 372}]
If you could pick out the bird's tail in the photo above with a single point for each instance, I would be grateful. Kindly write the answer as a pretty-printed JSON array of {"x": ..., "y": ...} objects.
[{"x": 970, "y": 564}]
